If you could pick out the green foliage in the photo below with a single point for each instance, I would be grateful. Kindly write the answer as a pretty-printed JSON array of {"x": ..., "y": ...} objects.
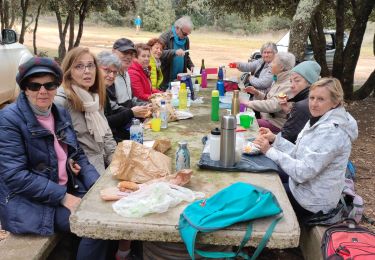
[
  {"x": 111, "y": 17},
  {"x": 157, "y": 15}
]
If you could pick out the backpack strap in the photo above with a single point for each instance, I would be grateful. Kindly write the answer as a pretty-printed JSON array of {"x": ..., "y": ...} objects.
[{"x": 244, "y": 241}]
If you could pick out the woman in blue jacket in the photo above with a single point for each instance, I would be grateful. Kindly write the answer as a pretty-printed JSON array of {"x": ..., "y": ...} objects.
[{"x": 43, "y": 171}]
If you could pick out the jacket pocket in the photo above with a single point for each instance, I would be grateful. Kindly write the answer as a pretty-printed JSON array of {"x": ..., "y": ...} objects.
[{"x": 28, "y": 217}]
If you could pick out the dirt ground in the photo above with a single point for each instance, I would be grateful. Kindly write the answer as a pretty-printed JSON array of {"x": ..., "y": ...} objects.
[{"x": 218, "y": 49}]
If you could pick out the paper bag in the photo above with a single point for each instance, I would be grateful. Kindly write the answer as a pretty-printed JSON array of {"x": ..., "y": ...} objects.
[
  {"x": 167, "y": 97},
  {"x": 137, "y": 163},
  {"x": 161, "y": 145}
]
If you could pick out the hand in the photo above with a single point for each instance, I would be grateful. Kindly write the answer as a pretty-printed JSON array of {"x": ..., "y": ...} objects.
[
  {"x": 71, "y": 202},
  {"x": 141, "y": 111},
  {"x": 251, "y": 90},
  {"x": 262, "y": 143},
  {"x": 180, "y": 52},
  {"x": 267, "y": 134},
  {"x": 74, "y": 166},
  {"x": 233, "y": 65}
]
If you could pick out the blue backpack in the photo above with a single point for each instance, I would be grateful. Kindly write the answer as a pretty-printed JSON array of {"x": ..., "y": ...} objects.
[{"x": 236, "y": 203}]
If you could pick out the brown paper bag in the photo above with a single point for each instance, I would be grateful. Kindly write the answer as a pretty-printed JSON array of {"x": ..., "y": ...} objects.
[
  {"x": 137, "y": 163},
  {"x": 161, "y": 145},
  {"x": 155, "y": 100}
]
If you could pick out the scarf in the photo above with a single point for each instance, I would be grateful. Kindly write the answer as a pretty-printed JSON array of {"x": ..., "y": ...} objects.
[
  {"x": 147, "y": 71},
  {"x": 96, "y": 124},
  {"x": 177, "y": 40},
  {"x": 303, "y": 94}
]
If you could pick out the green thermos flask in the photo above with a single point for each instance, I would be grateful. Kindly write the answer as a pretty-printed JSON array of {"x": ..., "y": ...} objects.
[{"x": 215, "y": 105}]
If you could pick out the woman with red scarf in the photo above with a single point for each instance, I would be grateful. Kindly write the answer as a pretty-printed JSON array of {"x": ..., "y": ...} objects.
[{"x": 139, "y": 72}]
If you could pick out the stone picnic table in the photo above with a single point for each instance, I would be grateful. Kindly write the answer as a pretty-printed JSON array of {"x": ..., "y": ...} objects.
[{"x": 95, "y": 218}]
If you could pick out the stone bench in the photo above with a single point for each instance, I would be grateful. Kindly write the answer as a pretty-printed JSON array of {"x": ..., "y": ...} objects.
[
  {"x": 18, "y": 247},
  {"x": 310, "y": 242}
]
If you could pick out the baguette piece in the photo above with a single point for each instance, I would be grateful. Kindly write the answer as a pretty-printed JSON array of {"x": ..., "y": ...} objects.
[{"x": 127, "y": 185}]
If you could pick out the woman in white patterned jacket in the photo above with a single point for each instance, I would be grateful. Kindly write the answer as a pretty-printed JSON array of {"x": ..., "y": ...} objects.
[{"x": 316, "y": 163}]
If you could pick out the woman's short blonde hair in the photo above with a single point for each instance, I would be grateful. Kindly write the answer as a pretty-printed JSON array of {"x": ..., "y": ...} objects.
[
  {"x": 334, "y": 87},
  {"x": 67, "y": 66}
]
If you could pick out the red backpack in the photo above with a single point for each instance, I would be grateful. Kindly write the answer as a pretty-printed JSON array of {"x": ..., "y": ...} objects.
[{"x": 348, "y": 241}]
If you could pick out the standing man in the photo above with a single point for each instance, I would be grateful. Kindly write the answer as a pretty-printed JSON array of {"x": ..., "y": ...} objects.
[
  {"x": 175, "y": 58},
  {"x": 137, "y": 22}
]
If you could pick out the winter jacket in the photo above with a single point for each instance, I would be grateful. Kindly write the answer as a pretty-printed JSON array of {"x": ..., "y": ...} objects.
[
  {"x": 167, "y": 57},
  {"x": 268, "y": 104},
  {"x": 264, "y": 81},
  {"x": 141, "y": 84},
  {"x": 119, "y": 117},
  {"x": 297, "y": 117},
  {"x": 316, "y": 163},
  {"x": 156, "y": 74},
  {"x": 29, "y": 189},
  {"x": 99, "y": 154}
]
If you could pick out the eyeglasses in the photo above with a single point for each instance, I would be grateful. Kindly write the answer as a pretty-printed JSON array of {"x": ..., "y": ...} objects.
[
  {"x": 82, "y": 67},
  {"x": 109, "y": 71},
  {"x": 183, "y": 33},
  {"x": 34, "y": 86}
]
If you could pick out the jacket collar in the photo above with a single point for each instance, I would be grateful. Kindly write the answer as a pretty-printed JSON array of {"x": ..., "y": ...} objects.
[{"x": 303, "y": 94}]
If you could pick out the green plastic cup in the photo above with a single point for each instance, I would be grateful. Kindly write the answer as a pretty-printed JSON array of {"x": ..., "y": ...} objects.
[{"x": 245, "y": 121}]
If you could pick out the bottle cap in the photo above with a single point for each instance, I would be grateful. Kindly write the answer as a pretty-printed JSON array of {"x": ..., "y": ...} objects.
[
  {"x": 162, "y": 102},
  {"x": 182, "y": 143},
  {"x": 136, "y": 121},
  {"x": 228, "y": 122},
  {"x": 215, "y": 93},
  {"x": 215, "y": 131}
]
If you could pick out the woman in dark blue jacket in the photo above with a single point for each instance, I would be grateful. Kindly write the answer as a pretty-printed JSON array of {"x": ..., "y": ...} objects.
[{"x": 43, "y": 171}]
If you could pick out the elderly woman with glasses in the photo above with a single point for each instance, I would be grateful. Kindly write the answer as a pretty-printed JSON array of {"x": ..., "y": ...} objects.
[
  {"x": 119, "y": 117},
  {"x": 43, "y": 171},
  {"x": 272, "y": 115},
  {"x": 315, "y": 165},
  {"x": 83, "y": 94},
  {"x": 175, "y": 58}
]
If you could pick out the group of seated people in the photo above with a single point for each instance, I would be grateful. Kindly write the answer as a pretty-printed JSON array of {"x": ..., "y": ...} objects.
[
  {"x": 61, "y": 133},
  {"x": 304, "y": 127}
]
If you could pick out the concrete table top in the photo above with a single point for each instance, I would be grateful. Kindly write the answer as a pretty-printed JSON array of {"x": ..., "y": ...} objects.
[{"x": 95, "y": 218}]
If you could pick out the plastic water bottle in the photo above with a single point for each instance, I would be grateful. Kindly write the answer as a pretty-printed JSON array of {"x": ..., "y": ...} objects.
[
  {"x": 163, "y": 115},
  {"x": 136, "y": 131},
  {"x": 182, "y": 156},
  {"x": 220, "y": 87},
  {"x": 182, "y": 97},
  {"x": 188, "y": 98}
]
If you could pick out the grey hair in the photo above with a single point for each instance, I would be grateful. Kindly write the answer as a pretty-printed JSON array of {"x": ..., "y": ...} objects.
[
  {"x": 270, "y": 45},
  {"x": 286, "y": 59},
  {"x": 107, "y": 58},
  {"x": 184, "y": 21}
]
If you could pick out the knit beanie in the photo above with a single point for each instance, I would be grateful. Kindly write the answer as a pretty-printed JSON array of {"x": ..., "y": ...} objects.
[{"x": 309, "y": 70}]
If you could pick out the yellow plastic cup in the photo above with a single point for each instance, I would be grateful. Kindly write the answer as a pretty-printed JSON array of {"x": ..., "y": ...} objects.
[
  {"x": 155, "y": 124},
  {"x": 199, "y": 79}
]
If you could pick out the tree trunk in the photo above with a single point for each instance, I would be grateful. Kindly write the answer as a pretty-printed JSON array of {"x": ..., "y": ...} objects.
[
  {"x": 300, "y": 28},
  {"x": 36, "y": 28},
  {"x": 24, "y": 7},
  {"x": 71, "y": 24},
  {"x": 2, "y": 15},
  {"x": 318, "y": 42},
  {"x": 366, "y": 88},
  {"x": 62, "y": 31},
  {"x": 83, "y": 11},
  {"x": 6, "y": 14},
  {"x": 353, "y": 47},
  {"x": 338, "y": 59}
]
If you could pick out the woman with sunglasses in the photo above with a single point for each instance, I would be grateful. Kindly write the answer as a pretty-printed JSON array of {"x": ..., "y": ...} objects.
[
  {"x": 83, "y": 95},
  {"x": 119, "y": 117},
  {"x": 175, "y": 58},
  {"x": 43, "y": 171}
]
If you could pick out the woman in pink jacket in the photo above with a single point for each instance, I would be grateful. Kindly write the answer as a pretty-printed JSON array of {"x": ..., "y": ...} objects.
[{"x": 139, "y": 72}]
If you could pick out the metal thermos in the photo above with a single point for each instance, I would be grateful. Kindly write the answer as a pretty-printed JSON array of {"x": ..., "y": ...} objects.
[{"x": 228, "y": 140}]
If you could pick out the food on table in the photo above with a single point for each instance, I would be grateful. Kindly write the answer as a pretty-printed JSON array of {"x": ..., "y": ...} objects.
[{"x": 127, "y": 185}]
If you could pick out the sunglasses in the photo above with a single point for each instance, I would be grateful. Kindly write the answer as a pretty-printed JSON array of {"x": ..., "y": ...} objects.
[
  {"x": 184, "y": 33},
  {"x": 34, "y": 86}
]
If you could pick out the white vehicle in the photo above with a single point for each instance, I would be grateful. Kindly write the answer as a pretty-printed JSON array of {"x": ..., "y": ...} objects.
[
  {"x": 12, "y": 54},
  {"x": 330, "y": 35}
]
